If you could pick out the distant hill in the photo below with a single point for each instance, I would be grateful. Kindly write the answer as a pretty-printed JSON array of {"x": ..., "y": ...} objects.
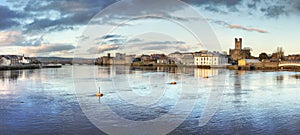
[{"x": 60, "y": 59}]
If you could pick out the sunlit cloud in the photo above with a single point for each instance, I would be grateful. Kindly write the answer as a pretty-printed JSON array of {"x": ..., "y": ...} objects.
[
  {"x": 233, "y": 26},
  {"x": 10, "y": 38},
  {"x": 47, "y": 48}
]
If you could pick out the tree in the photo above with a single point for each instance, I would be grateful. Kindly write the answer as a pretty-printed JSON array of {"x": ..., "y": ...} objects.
[
  {"x": 263, "y": 56},
  {"x": 280, "y": 53}
]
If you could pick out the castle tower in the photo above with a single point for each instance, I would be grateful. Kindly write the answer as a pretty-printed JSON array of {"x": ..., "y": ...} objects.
[{"x": 238, "y": 43}]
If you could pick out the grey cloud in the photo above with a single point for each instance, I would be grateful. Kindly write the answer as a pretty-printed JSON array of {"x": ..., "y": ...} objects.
[
  {"x": 71, "y": 13},
  {"x": 55, "y": 48},
  {"x": 110, "y": 39},
  {"x": 74, "y": 13},
  {"x": 274, "y": 11},
  {"x": 228, "y": 3},
  {"x": 110, "y": 36},
  {"x": 268, "y": 8},
  {"x": 8, "y": 17},
  {"x": 33, "y": 42},
  {"x": 102, "y": 48},
  {"x": 135, "y": 40}
]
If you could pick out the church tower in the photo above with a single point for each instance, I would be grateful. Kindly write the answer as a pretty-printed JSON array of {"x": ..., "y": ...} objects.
[{"x": 238, "y": 43}]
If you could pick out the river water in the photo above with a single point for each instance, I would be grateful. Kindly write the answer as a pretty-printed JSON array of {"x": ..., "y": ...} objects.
[{"x": 204, "y": 101}]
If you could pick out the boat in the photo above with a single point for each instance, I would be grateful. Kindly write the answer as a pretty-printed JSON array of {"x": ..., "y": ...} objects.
[
  {"x": 173, "y": 82},
  {"x": 99, "y": 94}
]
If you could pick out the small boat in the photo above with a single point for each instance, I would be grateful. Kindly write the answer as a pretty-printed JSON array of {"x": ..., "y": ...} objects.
[
  {"x": 173, "y": 82},
  {"x": 99, "y": 94}
]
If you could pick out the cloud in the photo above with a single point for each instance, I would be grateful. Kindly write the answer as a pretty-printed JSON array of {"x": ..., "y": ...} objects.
[
  {"x": 246, "y": 29},
  {"x": 8, "y": 38},
  {"x": 8, "y": 18},
  {"x": 17, "y": 38},
  {"x": 48, "y": 48},
  {"x": 32, "y": 42},
  {"x": 164, "y": 43},
  {"x": 274, "y": 11},
  {"x": 267, "y": 8},
  {"x": 135, "y": 40},
  {"x": 82, "y": 38},
  {"x": 111, "y": 39},
  {"x": 236, "y": 26},
  {"x": 70, "y": 14},
  {"x": 110, "y": 36},
  {"x": 102, "y": 48},
  {"x": 35, "y": 16}
]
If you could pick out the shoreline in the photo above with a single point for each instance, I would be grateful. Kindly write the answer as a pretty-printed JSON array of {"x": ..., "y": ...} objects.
[
  {"x": 19, "y": 67},
  {"x": 228, "y": 67},
  {"x": 24, "y": 67}
]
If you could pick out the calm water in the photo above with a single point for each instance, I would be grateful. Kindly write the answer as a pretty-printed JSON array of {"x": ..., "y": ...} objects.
[{"x": 56, "y": 101}]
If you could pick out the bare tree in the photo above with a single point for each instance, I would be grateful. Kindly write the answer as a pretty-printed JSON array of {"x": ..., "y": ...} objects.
[{"x": 280, "y": 53}]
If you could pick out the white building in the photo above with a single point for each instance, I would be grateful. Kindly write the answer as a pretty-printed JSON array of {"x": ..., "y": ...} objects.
[
  {"x": 210, "y": 59},
  {"x": 5, "y": 61},
  {"x": 24, "y": 60}
]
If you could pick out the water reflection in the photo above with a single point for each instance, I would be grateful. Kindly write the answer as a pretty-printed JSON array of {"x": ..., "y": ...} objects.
[
  {"x": 111, "y": 71},
  {"x": 43, "y": 101}
]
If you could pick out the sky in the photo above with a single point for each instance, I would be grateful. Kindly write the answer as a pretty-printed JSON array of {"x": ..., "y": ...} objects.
[{"x": 93, "y": 28}]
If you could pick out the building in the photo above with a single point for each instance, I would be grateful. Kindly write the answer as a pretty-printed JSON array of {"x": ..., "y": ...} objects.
[
  {"x": 248, "y": 62},
  {"x": 119, "y": 59},
  {"x": 5, "y": 61},
  {"x": 129, "y": 59},
  {"x": 145, "y": 58},
  {"x": 210, "y": 59},
  {"x": 24, "y": 60},
  {"x": 105, "y": 60},
  {"x": 238, "y": 53},
  {"x": 295, "y": 57},
  {"x": 162, "y": 61},
  {"x": 187, "y": 59},
  {"x": 176, "y": 57}
]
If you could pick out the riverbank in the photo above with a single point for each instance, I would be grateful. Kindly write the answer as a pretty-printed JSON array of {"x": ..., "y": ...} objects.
[
  {"x": 51, "y": 66},
  {"x": 34, "y": 66},
  {"x": 274, "y": 68},
  {"x": 19, "y": 67}
]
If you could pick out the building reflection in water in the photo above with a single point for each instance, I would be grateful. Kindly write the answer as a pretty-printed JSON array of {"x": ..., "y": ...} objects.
[
  {"x": 202, "y": 73},
  {"x": 9, "y": 76},
  {"x": 10, "y": 79},
  {"x": 112, "y": 71}
]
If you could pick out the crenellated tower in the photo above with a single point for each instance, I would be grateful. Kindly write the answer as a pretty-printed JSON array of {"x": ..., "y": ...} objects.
[{"x": 238, "y": 43}]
